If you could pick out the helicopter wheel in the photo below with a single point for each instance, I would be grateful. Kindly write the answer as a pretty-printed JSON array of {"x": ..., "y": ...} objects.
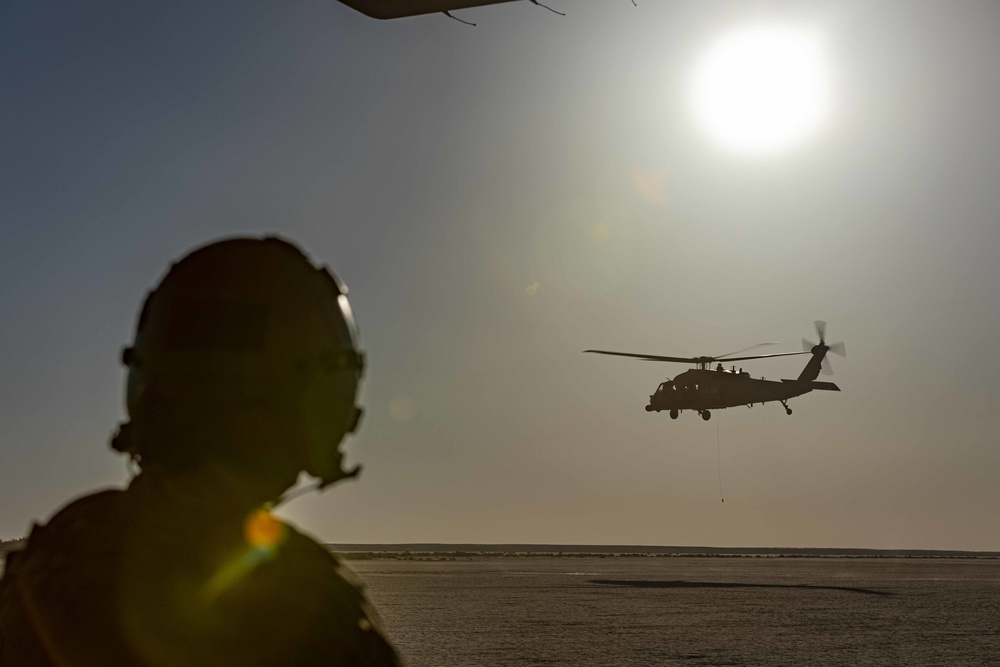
[
  {"x": 788, "y": 411},
  {"x": 706, "y": 415},
  {"x": 649, "y": 408},
  {"x": 673, "y": 414}
]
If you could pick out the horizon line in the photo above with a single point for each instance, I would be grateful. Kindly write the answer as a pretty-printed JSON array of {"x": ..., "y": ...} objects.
[{"x": 634, "y": 548}]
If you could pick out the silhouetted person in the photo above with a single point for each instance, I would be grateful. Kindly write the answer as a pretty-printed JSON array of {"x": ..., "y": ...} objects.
[{"x": 243, "y": 374}]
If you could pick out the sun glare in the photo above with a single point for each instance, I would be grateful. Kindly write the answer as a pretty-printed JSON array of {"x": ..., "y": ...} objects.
[{"x": 761, "y": 89}]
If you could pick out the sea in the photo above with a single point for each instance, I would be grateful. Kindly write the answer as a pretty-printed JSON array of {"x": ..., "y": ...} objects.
[{"x": 653, "y": 610}]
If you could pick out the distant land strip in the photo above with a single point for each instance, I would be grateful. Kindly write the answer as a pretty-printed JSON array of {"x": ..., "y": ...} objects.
[
  {"x": 361, "y": 551},
  {"x": 434, "y": 549},
  {"x": 12, "y": 545}
]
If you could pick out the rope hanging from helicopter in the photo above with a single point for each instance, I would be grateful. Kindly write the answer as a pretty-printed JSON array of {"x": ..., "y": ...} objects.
[{"x": 718, "y": 457}]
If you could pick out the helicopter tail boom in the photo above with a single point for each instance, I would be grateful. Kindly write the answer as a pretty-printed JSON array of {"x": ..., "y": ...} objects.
[
  {"x": 811, "y": 371},
  {"x": 813, "y": 385}
]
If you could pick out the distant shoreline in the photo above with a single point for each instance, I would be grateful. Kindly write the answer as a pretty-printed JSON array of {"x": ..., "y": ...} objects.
[
  {"x": 443, "y": 551},
  {"x": 12, "y": 545},
  {"x": 434, "y": 551}
]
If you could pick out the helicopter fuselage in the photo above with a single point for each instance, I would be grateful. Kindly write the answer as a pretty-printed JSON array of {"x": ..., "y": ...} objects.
[{"x": 702, "y": 389}]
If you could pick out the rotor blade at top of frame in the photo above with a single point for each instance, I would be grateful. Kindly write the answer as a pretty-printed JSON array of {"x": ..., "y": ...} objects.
[
  {"x": 746, "y": 349},
  {"x": 395, "y": 9},
  {"x": 647, "y": 357},
  {"x": 767, "y": 356}
]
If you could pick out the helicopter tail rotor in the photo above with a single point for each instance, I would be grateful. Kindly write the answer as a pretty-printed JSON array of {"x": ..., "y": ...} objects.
[{"x": 837, "y": 348}]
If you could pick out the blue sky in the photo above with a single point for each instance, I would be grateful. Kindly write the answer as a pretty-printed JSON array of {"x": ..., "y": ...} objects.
[{"x": 444, "y": 170}]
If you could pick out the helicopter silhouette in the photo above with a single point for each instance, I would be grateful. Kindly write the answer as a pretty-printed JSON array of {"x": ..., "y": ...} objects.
[{"x": 703, "y": 389}]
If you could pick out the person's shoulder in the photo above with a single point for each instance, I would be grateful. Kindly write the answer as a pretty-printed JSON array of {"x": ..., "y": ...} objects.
[
  {"x": 345, "y": 628},
  {"x": 67, "y": 575},
  {"x": 82, "y": 528},
  {"x": 88, "y": 517},
  {"x": 76, "y": 513},
  {"x": 80, "y": 532},
  {"x": 305, "y": 556}
]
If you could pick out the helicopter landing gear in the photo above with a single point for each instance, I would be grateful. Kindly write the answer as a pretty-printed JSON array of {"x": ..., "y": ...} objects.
[
  {"x": 788, "y": 410},
  {"x": 706, "y": 415},
  {"x": 649, "y": 408},
  {"x": 673, "y": 414}
]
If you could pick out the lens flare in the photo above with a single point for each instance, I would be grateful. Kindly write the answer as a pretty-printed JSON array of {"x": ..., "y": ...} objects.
[
  {"x": 402, "y": 409},
  {"x": 649, "y": 183},
  {"x": 264, "y": 533},
  {"x": 263, "y": 530}
]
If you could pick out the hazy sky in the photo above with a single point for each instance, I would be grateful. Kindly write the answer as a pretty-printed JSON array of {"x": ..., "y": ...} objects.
[{"x": 498, "y": 199}]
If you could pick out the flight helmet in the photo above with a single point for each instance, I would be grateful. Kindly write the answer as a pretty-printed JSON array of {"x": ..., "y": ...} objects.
[{"x": 245, "y": 353}]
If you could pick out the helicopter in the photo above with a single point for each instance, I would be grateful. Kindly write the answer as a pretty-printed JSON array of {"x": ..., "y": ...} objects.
[{"x": 703, "y": 389}]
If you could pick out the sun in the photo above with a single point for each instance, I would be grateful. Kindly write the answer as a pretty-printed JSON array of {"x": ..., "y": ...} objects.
[{"x": 762, "y": 89}]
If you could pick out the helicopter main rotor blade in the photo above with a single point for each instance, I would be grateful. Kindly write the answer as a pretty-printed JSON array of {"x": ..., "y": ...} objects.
[
  {"x": 647, "y": 357},
  {"x": 690, "y": 360},
  {"x": 766, "y": 356},
  {"x": 746, "y": 349}
]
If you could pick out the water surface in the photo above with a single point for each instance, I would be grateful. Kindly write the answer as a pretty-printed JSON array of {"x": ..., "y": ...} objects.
[{"x": 688, "y": 611}]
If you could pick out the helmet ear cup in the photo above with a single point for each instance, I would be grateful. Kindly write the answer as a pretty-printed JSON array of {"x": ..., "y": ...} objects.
[{"x": 247, "y": 352}]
